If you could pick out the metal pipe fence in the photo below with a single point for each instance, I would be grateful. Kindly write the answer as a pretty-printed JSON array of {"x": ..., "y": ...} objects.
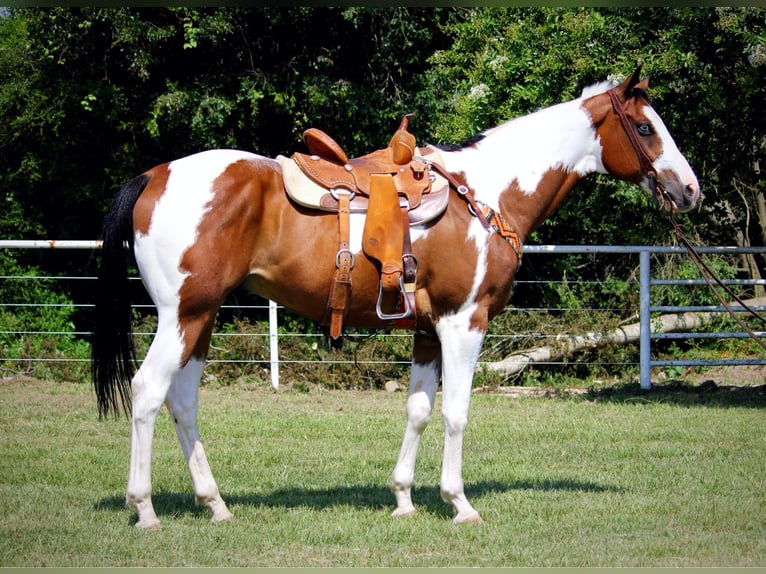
[{"x": 272, "y": 336}]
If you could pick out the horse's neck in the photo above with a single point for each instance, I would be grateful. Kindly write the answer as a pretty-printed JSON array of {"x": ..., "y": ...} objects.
[{"x": 526, "y": 166}]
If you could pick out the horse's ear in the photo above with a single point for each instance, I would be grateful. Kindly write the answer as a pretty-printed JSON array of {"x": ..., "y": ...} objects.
[
  {"x": 643, "y": 85},
  {"x": 633, "y": 82}
]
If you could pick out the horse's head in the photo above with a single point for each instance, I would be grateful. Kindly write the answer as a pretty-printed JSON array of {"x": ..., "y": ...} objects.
[{"x": 637, "y": 147}]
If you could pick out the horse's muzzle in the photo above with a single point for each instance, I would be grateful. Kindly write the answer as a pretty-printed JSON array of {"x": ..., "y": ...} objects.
[{"x": 675, "y": 196}]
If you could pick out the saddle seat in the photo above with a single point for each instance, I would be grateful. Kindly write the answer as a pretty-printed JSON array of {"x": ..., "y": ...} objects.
[
  {"x": 330, "y": 167},
  {"x": 388, "y": 185},
  {"x": 306, "y": 192}
]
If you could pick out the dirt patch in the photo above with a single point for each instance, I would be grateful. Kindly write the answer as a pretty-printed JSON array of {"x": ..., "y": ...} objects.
[{"x": 730, "y": 375}]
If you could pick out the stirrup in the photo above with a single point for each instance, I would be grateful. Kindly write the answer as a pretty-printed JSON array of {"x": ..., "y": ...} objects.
[{"x": 394, "y": 316}]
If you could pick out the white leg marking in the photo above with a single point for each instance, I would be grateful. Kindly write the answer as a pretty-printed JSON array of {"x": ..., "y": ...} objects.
[
  {"x": 150, "y": 387},
  {"x": 182, "y": 402},
  {"x": 424, "y": 380},
  {"x": 173, "y": 229},
  {"x": 460, "y": 351}
]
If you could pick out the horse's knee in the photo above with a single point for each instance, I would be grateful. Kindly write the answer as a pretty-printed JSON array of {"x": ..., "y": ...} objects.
[
  {"x": 419, "y": 410},
  {"x": 455, "y": 422}
]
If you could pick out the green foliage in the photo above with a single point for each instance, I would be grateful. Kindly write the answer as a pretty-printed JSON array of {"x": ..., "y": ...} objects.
[
  {"x": 127, "y": 88},
  {"x": 46, "y": 330},
  {"x": 366, "y": 359},
  {"x": 707, "y": 76},
  {"x": 91, "y": 96}
]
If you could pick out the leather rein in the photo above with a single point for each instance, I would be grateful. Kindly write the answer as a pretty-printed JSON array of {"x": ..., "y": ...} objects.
[{"x": 659, "y": 194}]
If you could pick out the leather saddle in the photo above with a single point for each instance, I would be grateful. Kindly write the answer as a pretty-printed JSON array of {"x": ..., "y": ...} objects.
[
  {"x": 394, "y": 187},
  {"x": 329, "y": 166}
]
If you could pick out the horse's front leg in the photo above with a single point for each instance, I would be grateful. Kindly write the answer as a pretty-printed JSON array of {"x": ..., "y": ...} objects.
[
  {"x": 424, "y": 380},
  {"x": 461, "y": 346}
]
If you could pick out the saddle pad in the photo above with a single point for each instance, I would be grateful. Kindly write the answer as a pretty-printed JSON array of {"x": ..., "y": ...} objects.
[{"x": 306, "y": 193}]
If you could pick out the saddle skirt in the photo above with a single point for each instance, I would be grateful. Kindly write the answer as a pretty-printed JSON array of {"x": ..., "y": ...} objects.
[{"x": 304, "y": 191}]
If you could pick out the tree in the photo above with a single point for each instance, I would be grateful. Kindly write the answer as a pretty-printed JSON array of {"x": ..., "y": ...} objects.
[
  {"x": 707, "y": 67},
  {"x": 91, "y": 96}
]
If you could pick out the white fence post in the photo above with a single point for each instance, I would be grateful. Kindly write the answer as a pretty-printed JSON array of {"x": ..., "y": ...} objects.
[{"x": 273, "y": 345}]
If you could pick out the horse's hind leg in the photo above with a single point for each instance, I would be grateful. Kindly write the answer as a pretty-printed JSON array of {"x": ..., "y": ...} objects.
[
  {"x": 182, "y": 402},
  {"x": 424, "y": 380},
  {"x": 149, "y": 387},
  {"x": 170, "y": 375}
]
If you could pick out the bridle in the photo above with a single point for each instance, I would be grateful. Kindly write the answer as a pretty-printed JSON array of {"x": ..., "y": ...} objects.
[
  {"x": 643, "y": 159},
  {"x": 659, "y": 195}
]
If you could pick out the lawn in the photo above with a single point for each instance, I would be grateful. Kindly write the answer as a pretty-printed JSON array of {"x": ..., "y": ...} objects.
[{"x": 618, "y": 478}]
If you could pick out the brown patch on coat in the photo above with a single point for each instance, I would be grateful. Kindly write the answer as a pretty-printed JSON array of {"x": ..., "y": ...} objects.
[
  {"x": 227, "y": 233},
  {"x": 143, "y": 210},
  {"x": 619, "y": 157}
]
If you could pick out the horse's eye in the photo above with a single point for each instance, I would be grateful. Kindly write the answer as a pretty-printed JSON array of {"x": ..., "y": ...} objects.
[{"x": 645, "y": 129}]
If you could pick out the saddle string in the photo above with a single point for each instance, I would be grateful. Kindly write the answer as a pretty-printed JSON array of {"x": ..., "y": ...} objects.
[{"x": 707, "y": 273}]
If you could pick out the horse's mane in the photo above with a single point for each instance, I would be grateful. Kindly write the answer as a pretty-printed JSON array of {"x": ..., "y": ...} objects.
[
  {"x": 587, "y": 92},
  {"x": 595, "y": 89},
  {"x": 466, "y": 143}
]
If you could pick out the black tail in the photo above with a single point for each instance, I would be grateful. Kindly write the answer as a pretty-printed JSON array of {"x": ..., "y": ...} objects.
[{"x": 112, "y": 352}]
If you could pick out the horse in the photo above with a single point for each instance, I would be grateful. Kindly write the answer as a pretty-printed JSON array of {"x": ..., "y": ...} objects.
[{"x": 208, "y": 223}]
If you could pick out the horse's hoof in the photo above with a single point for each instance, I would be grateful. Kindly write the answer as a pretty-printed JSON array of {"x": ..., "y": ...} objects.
[
  {"x": 151, "y": 524},
  {"x": 468, "y": 518},
  {"x": 403, "y": 512},
  {"x": 222, "y": 517}
]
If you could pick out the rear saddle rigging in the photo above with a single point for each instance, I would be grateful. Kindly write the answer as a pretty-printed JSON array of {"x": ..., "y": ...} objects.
[{"x": 395, "y": 187}]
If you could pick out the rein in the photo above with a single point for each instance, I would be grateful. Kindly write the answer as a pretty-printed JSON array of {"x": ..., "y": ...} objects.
[{"x": 708, "y": 274}]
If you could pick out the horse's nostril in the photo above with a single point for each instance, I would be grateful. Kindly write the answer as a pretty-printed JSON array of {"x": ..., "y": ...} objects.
[{"x": 691, "y": 190}]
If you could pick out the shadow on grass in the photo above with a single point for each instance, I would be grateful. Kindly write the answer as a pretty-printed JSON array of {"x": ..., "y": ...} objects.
[
  {"x": 427, "y": 498},
  {"x": 706, "y": 394}
]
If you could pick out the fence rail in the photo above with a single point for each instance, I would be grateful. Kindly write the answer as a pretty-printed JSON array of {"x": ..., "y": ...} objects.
[{"x": 645, "y": 310}]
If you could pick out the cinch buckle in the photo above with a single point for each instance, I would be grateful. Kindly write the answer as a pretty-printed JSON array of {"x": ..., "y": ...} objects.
[
  {"x": 334, "y": 192},
  {"x": 341, "y": 252}
]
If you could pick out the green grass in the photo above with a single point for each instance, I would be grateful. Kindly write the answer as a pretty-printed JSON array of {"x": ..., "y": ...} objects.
[{"x": 621, "y": 478}]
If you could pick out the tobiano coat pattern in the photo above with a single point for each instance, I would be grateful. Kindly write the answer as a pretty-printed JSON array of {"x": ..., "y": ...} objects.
[{"x": 206, "y": 224}]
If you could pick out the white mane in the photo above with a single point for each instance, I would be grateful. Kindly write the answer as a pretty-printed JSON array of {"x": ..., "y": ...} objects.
[{"x": 596, "y": 89}]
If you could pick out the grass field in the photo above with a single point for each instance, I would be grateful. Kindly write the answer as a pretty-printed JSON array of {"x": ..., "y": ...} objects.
[{"x": 621, "y": 478}]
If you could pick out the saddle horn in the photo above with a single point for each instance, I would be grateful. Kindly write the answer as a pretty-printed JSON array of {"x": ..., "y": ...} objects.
[{"x": 403, "y": 143}]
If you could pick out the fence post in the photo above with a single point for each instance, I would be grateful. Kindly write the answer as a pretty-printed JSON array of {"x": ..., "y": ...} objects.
[
  {"x": 273, "y": 345},
  {"x": 645, "y": 338}
]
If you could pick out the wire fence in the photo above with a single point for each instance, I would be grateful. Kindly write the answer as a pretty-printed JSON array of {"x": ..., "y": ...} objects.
[{"x": 275, "y": 338}]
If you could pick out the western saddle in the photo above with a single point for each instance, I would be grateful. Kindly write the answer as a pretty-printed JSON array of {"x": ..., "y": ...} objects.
[{"x": 393, "y": 180}]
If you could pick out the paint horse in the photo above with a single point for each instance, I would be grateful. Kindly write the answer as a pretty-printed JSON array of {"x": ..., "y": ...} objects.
[{"x": 204, "y": 225}]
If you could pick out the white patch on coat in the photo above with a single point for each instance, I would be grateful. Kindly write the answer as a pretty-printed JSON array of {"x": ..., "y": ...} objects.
[
  {"x": 670, "y": 157},
  {"x": 175, "y": 219},
  {"x": 524, "y": 149}
]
